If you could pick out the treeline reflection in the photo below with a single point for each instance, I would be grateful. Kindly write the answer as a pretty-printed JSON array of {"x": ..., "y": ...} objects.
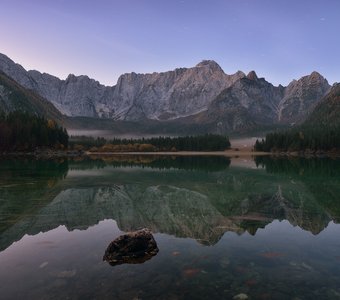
[
  {"x": 190, "y": 163},
  {"x": 300, "y": 165}
]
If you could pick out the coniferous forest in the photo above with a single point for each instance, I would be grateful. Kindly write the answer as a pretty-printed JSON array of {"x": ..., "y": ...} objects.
[
  {"x": 20, "y": 131},
  {"x": 207, "y": 142},
  {"x": 303, "y": 138}
]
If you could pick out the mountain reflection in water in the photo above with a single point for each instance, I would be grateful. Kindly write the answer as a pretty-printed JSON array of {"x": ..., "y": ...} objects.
[
  {"x": 266, "y": 227},
  {"x": 184, "y": 202}
]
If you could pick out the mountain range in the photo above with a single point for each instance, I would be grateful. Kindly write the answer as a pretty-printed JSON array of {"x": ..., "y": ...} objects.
[{"x": 202, "y": 98}]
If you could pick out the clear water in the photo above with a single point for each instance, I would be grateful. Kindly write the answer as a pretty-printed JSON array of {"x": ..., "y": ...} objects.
[{"x": 270, "y": 232}]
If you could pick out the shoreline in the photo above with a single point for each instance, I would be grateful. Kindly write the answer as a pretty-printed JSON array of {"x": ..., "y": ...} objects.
[
  {"x": 183, "y": 153},
  {"x": 232, "y": 153}
]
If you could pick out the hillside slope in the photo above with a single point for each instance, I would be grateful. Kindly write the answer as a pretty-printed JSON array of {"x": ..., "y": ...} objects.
[{"x": 15, "y": 97}]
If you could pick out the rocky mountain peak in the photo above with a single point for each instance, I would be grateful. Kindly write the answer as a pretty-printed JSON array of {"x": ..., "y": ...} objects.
[
  {"x": 315, "y": 74},
  {"x": 70, "y": 78},
  {"x": 317, "y": 79},
  {"x": 313, "y": 78},
  {"x": 252, "y": 75},
  {"x": 240, "y": 74},
  {"x": 211, "y": 64}
]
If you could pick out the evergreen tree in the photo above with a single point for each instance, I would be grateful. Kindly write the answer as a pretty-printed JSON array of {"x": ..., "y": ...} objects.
[{"x": 22, "y": 131}]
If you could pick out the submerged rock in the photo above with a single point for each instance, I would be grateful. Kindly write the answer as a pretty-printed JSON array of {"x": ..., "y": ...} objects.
[
  {"x": 241, "y": 297},
  {"x": 131, "y": 248}
]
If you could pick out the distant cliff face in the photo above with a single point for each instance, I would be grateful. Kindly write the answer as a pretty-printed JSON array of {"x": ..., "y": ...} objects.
[
  {"x": 203, "y": 94},
  {"x": 167, "y": 95},
  {"x": 170, "y": 95},
  {"x": 75, "y": 96}
]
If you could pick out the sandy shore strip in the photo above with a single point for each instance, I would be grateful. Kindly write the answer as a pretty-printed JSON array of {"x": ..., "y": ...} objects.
[{"x": 227, "y": 153}]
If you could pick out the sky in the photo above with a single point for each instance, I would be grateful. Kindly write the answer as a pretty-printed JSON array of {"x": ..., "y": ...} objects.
[{"x": 281, "y": 40}]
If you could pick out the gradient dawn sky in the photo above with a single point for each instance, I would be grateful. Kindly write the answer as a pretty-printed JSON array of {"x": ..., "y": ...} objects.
[{"x": 280, "y": 39}]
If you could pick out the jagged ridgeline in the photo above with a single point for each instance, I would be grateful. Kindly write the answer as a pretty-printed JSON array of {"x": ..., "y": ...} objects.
[
  {"x": 197, "y": 100},
  {"x": 320, "y": 132},
  {"x": 21, "y": 131}
]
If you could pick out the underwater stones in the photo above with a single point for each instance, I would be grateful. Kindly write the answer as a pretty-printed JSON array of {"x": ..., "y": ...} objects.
[
  {"x": 67, "y": 274},
  {"x": 43, "y": 265},
  {"x": 131, "y": 248},
  {"x": 224, "y": 263},
  {"x": 241, "y": 297},
  {"x": 191, "y": 272}
]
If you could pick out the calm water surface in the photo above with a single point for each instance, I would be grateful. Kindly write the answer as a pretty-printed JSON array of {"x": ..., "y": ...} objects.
[{"x": 268, "y": 229}]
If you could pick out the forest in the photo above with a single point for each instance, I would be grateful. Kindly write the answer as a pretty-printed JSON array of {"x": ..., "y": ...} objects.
[
  {"x": 303, "y": 138},
  {"x": 207, "y": 142},
  {"x": 20, "y": 131}
]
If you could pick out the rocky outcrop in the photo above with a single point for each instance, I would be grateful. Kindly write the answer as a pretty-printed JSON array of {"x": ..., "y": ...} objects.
[
  {"x": 75, "y": 96},
  {"x": 15, "y": 71},
  {"x": 301, "y": 96},
  {"x": 252, "y": 75},
  {"x": 131, "y": 248},
  {"x": 13, "y": 97},
  {"x": 327, "y": 111},
  {"x": 248, "y": 102},
  {"x": 251, "y": 101},
  {"x": 254, "y": 95}
]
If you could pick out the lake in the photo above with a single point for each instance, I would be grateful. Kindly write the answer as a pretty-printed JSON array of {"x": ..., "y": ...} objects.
[{"x": 267, "y": 228}]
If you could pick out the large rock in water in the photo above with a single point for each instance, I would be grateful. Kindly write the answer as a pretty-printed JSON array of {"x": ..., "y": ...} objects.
[{"x": 131, "y": 248}]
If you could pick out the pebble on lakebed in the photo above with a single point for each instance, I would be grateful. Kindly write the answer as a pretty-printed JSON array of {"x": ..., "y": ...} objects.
[{"x": 241, "y": 297}]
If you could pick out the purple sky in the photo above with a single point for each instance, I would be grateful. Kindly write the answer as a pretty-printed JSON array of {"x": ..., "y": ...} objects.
[{"x": 280, "y": 39}]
